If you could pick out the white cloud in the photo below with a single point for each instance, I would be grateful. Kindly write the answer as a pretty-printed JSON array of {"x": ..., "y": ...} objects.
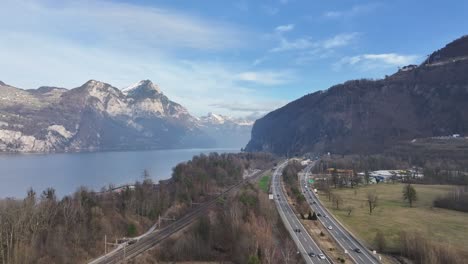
[
  {"x": 265, "y": 77},
  {"x": 118, "y": 24},
  {"x": 284, "y": 28},
  {"x": 354, "y": 11},
  {"x": 375, "y": 61},
  {"x": 306, "y": 43},
  {"x": 296, "y": 44},
  {"x": 339, "y": 40}
]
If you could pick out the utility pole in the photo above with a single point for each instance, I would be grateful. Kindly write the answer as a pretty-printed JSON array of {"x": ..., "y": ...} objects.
[{"x": 105, "y": 244}]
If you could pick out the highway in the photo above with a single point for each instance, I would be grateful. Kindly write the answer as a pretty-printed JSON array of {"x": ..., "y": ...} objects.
[
  {"x": 127, "y": 251},
  {"x": 345, "y": 239},
  {"x": 304, "y": 242}
]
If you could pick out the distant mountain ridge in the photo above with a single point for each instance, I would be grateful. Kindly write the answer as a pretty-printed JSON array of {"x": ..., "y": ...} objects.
[
  {"x": 96, "y": 116},
  {"x": 227, "y": 131},
  {"x": 369, "y": 116}
]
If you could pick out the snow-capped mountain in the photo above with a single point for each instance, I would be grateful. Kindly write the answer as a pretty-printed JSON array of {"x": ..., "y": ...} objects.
[
  {"x": 95, "y": 116},
  {"x": 225, "y": 130},
  {"x": 217, "y": 119}
]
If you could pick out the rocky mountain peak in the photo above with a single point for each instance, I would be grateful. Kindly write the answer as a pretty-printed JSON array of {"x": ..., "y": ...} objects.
[
  {"x": 144, "y": 87},
  {"x": 93, "y": 84},
  {"x": 214, "y": 118},
  {"x": 2, "y": 83}
]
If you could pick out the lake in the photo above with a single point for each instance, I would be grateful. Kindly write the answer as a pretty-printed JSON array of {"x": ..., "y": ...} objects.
[{"x": 65, "y": 172}]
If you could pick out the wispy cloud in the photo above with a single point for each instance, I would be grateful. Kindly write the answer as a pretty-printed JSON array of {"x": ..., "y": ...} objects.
[
  {"x": 375, "y": 61},
  {"x": 284, "y": 28},
  {"x": 266, "y": 77},
  {"x": 295, "y": 44},
  {"x": 352, "y": 12},
  {"x": 339, "y": 40},
  {"x": 118, "y": 24}
]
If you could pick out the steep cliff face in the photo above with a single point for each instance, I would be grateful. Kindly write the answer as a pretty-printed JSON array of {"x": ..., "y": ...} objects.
[
  {"x": 366, "y": 116},
  {"x": 94, "y": 116}
]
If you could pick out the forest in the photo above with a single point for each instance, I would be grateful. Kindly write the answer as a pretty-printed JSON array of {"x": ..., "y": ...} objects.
[{"x": 44, "y": 228}]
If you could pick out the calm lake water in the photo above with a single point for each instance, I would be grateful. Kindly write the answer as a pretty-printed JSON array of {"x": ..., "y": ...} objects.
[{"x": 67, "y": 171}]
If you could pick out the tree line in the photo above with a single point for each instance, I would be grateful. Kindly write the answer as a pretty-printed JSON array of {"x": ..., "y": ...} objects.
[
  {"x": 41, "y": 228},
  {"x": 457, "y": 200},
  {"x": 243, "y": 228}
]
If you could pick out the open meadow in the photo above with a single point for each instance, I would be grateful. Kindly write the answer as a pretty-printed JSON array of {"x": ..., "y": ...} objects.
[{"x": 393, "y": 215}]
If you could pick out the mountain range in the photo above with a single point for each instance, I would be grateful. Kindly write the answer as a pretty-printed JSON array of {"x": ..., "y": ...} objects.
[
  {"x": 370, "y": 116},
  {"x": 97, "y": 116}
]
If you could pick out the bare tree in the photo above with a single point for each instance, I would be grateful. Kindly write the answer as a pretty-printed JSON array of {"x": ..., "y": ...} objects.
[
  {"x": 337, "y": 200},
  {"x": 372, "y": 199}
]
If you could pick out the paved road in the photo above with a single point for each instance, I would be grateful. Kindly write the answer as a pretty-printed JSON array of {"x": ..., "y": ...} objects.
[
  {"x": 127, "y": 251},
  {"x": 304, "y": 242},
  {"x": 346, "y": 240}
]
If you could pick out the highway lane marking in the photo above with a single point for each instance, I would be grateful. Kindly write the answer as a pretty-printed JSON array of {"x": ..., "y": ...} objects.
[
  {"x": 290, "y": 218},
  {"x": 337, "y": 226}
]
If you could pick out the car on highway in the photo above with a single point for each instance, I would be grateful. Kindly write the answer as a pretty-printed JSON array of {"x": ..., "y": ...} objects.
[
  {"x": 297, "y": 230},
  {"x": 321, "y": 256},
  {"x": 357, "y": 250},
  {"x": 314, "y": 202},
  {"x": 330, "y": 227},
  {"x": 311, "y": 254},
  {"x": 319, "y": 214}
]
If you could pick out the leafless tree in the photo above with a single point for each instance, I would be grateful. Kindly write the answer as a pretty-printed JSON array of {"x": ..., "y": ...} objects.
[{"x": 372, "y": 199}]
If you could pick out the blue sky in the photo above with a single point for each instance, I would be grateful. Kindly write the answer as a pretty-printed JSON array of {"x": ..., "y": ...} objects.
[{"x": 229, "y": 57}]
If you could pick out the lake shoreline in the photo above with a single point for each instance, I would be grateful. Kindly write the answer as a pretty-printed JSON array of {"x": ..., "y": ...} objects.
[{"x": 66, "y": 172}]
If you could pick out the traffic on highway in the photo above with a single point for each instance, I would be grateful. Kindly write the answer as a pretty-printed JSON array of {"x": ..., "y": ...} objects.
[
  {"x": 348, "y": 242},
  {"x": 307, "y": 247}
]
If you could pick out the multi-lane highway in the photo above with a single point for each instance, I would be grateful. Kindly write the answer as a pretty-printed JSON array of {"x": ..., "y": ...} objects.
[
  {"x": 304, "y": 242},
  {"x": 346, "y": 240},
  {"x": 127, "y": 251}
]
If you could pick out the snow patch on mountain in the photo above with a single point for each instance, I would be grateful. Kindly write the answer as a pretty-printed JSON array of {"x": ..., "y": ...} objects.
[
  {"x": 144, "y": 84},
  {"x": 217, "y": 119}
]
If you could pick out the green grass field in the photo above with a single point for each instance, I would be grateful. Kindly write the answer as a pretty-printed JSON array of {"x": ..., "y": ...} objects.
[
  {"x": 264, "y": 182},
  {"x": 393, "y": 215}
]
